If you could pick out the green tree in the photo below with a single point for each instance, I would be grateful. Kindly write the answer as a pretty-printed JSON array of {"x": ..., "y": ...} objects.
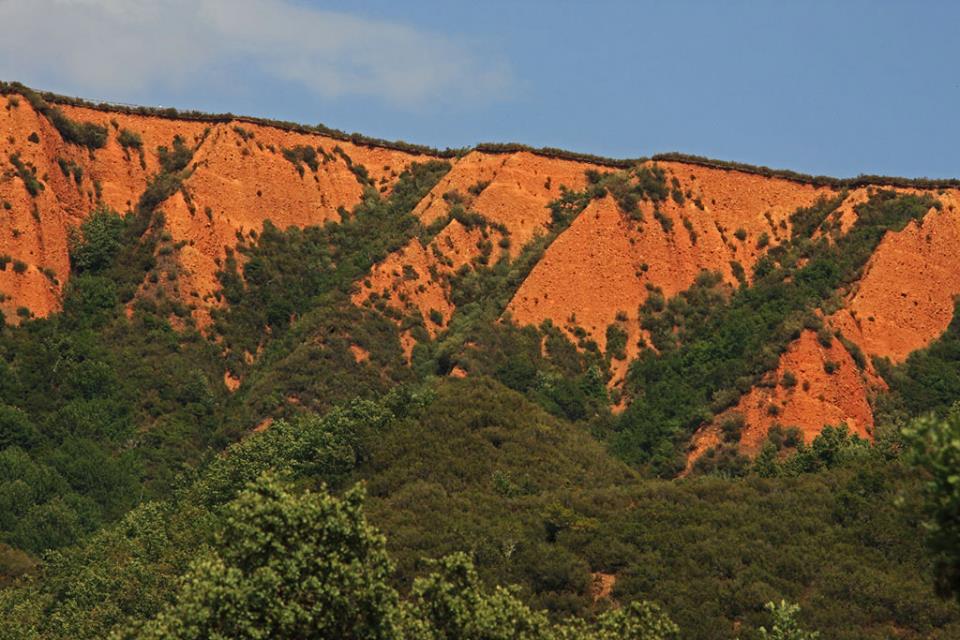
[
  {"x": 450, "y": 604},
  {"x": 785, "y": 625},
  {"x": 286, "y": 566},
  {"x": 935, "y": 447},
  {"x": 96, "y": 244}
]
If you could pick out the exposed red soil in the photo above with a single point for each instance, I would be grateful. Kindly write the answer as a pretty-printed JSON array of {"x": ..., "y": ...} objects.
[
  {"x": 818, "y": 398},
  {"x": 602, "y": 585},
  {"x": 520, "y": 186},
  {"x": 119, "y": 172},
  {"x": 603, "y": 262},
  {"x": 239, "y": 183},
  {"x": 416, "y": 276},
  {"x": 599, "y": 266},
  {"x": 230, "y": 381},
  {"x": 242, "y": 179},
  {"x": 33, "y": 230},
  {"x": 263, "y": 425},
  {"x": 905, "y": 298},
  {"x": 359, "y": 353}
]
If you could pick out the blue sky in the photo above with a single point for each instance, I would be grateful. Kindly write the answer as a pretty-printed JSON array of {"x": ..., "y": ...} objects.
[{"x": 839, "y": 88}]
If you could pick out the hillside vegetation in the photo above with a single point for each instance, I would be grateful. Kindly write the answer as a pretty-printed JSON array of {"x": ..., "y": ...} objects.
[{"x": 264, "y": 380}]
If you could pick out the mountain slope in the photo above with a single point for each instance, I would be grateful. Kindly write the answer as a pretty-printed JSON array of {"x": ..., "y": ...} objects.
[{"x": 588, "y": 242}]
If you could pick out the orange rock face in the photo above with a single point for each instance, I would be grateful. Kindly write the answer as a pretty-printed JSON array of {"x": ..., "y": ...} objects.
[
  {"x": 514, "y": 190},
  {"x": 416, "y": 277},
  {"x": 603, "y": 262},
  {"x": 818, "y": 397},
  {"x": 597, "y": 272},
  {"x": 239, "y": 179},
  {"x": 905, "y": 298}
]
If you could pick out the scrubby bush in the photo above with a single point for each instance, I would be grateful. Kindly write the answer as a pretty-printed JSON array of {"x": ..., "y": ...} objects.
[
  {"x": 176, "y": 159},
  {"x": 616, "y": 342},
  {"x": 27, "y": 173},
  {"x": 98, "y": 240},
  {"x": 129, "y": 139},
  {"x": 302, "y": 155},
  {"x": 85, "y": 134}
]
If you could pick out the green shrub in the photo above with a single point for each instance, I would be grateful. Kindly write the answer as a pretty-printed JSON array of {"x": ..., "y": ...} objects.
[
  {"x": 732, "y": 427},
  {"x": 176, "y": 159},
  {"x": 85, "y": 134},
  {"x": 616, "y": 342},
  {"x": 825, "y": 336},
  {"x": 129, "y": 139},
  {"x": 665, "y": 222},
  {"x": 27, "y": 173},
  {"x": 300, "y": 155}
]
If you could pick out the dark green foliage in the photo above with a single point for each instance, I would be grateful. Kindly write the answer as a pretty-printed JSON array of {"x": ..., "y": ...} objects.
[
  {"x": 289, "y": 567},
  {"x": 70, "y": 167},
  {"x": 245, "y": 134},
  {"x": 731, "y": 427},
  {"x": 674, "y": 392},
  {"x": 175, "y": 159},
  {"x": 616, "y": 342},
  {"x": 117, "y": 405},
  {"x": 673, "y": 323},
  {"x": 129, "y": 139},
  {"x": 825, "y": 336},
  {"x": 94, "y": 246},
  {"x": 302, "y": 155},
  {"x": 738, "y": 272},
  {"x": 935, "y": 448},
  {"x": 640, "y": 183},
  {"x": 724, "y": 460},
  {"x": 666, "y": 222},
  {"x": 84, "y": 134},
  {"x": 536, "y": 502},
  {"x": 286, "y": 271},
  {"x": 929, "y": 380},
  {"x": 19, "y": 266},
  {"x": 159, "y": 188},
  {"x": 477, "y": 188},
  {"x": 28, "y": 173}
]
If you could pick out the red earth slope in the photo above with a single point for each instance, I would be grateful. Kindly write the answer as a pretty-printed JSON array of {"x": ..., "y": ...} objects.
[{"x": 597, "y": 269}]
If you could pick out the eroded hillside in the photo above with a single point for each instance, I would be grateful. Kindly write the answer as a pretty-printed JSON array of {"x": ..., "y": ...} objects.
[{"x": 603, "y": 253}]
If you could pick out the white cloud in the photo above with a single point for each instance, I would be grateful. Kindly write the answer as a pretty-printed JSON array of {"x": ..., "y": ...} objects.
[{"x": 111, "y": 46}]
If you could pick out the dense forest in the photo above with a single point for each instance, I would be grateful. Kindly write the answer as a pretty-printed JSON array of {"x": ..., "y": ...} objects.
[{"x": 331, "y": 495}]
